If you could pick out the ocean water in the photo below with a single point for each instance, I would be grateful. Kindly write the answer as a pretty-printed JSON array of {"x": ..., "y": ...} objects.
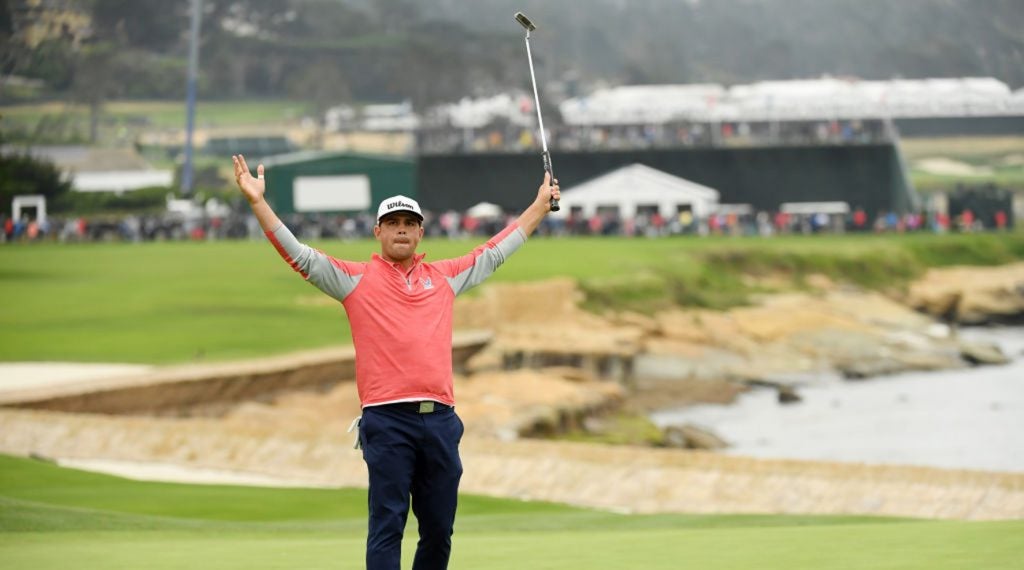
[{"x": 965, "y": 419}]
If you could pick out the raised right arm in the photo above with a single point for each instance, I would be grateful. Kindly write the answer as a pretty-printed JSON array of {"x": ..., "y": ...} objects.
[{"x": 332, "y": 276}]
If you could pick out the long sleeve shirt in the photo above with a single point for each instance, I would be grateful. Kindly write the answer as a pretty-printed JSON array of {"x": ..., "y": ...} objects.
[{"x": 401, "y": 320}]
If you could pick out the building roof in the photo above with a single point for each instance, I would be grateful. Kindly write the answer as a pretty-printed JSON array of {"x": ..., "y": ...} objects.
[
  {"x": 79, "y": 158},
  {"x": 315, "y": 155},
  {"x": 94, "y": 169},
  {"x": 120, "y": 181}
]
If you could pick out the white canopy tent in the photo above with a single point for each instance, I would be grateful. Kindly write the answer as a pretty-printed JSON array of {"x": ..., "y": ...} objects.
[
  {"x": 485, "y": 210},
  {"x": 635, "y": 187}
]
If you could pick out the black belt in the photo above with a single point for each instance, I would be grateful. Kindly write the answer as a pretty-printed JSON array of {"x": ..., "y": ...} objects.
[{"x": 424, "y": 407}]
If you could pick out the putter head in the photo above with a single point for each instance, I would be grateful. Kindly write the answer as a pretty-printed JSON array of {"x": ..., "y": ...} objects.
[{"x": 525, "y": 22}]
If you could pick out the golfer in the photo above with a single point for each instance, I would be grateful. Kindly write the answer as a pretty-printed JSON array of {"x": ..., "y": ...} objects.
[{"x": 400, "y": 310}]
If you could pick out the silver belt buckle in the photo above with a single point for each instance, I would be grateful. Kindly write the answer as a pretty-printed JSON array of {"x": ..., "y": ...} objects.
[{"x": 426, "y": 407}]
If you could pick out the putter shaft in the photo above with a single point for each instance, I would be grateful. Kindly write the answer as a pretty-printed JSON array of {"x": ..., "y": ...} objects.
[
  {"x": 528, "y": 25},
  {"x": 536, "y": 97}
]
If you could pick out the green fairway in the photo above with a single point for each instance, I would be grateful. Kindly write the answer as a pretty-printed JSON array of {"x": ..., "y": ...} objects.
[
  {"x": 159, "y": 114},
  {"x": 181, "y": 302},
  {"x": 997, "y": 160},
  {"x": 52, "y": 517}
]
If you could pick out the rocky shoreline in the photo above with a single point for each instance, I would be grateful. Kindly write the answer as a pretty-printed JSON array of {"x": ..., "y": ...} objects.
[{"x": 784, "y": 341}]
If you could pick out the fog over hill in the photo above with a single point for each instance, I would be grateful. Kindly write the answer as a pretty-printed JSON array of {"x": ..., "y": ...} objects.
[{"x": 736, "y": 41}]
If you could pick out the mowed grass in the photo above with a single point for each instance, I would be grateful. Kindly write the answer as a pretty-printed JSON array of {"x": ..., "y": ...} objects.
[
  {"x": 164, "y": 114},
  {"x": 52, "y": 517},
  {"x": 183, "y": 301},
  {"x": 971, "y": 149},
  {"x": 999, "y": 160}
]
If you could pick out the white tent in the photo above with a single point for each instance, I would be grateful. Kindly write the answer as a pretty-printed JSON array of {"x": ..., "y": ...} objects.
[
  {"x": 485, "y": 210},
  {"x": 636, "y": 187}
]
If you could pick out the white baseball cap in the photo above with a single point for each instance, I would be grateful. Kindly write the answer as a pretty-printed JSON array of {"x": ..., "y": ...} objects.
[{"x": 399, "y": 204}]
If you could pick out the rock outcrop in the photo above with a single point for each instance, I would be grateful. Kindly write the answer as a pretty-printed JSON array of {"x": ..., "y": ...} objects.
[
  {"x": 782, "y": 338},
  {"x": 971, "y": 295}
]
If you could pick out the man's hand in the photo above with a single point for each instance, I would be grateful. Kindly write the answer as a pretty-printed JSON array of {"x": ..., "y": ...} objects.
[
  {"x": 548, "y": 191},
  {"x": 252, "y": 188},
  {"x": 541, "y": 207}
]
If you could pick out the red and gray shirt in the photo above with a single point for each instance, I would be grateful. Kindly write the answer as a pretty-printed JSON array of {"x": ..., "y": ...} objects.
[{"x": 401, "y": 319}]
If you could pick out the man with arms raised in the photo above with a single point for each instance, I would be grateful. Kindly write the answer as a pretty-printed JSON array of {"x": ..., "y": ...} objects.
[{"x": 400, "y": 311}]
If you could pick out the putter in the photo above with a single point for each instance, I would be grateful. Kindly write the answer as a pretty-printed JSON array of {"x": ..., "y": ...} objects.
[{"x": 528, "y": 25}]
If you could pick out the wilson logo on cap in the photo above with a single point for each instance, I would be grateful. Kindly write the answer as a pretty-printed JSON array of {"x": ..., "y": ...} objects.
[{"x": 399, "y": 204}]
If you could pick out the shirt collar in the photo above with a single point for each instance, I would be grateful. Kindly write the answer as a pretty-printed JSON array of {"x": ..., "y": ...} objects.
[{"x": 416, "y": 259}]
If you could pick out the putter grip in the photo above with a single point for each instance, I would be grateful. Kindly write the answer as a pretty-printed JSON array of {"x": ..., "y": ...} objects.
[{"x": 551, "y": 174}]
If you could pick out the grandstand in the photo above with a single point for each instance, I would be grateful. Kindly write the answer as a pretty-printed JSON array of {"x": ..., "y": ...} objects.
[
  {"x": 827, "y": 98},
  {"x": 768, "y": 113},
  {"x": 764, "y": 143}
]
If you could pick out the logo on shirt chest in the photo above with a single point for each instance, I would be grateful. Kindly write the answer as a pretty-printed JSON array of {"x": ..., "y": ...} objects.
[{"x": 427, "y": 283}]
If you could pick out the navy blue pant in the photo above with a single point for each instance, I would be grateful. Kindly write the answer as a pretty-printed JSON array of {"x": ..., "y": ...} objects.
[{"x": 409, "y": 454}]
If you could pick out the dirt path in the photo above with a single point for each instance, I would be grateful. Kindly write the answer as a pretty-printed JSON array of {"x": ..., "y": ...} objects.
[
  {"x": 625, "y": 479},
  {"x": 23, "y": 376}
]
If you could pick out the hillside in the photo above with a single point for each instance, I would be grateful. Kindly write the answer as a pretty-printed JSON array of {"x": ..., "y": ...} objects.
[
  {"x": 733, "y": 41},
  {"x": 329, "y": 51}
]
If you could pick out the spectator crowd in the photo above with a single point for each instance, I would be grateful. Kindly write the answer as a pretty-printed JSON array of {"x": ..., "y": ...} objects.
[
  {"x": 457, "y": 225},
  {"x": 501, "y": 136}
]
